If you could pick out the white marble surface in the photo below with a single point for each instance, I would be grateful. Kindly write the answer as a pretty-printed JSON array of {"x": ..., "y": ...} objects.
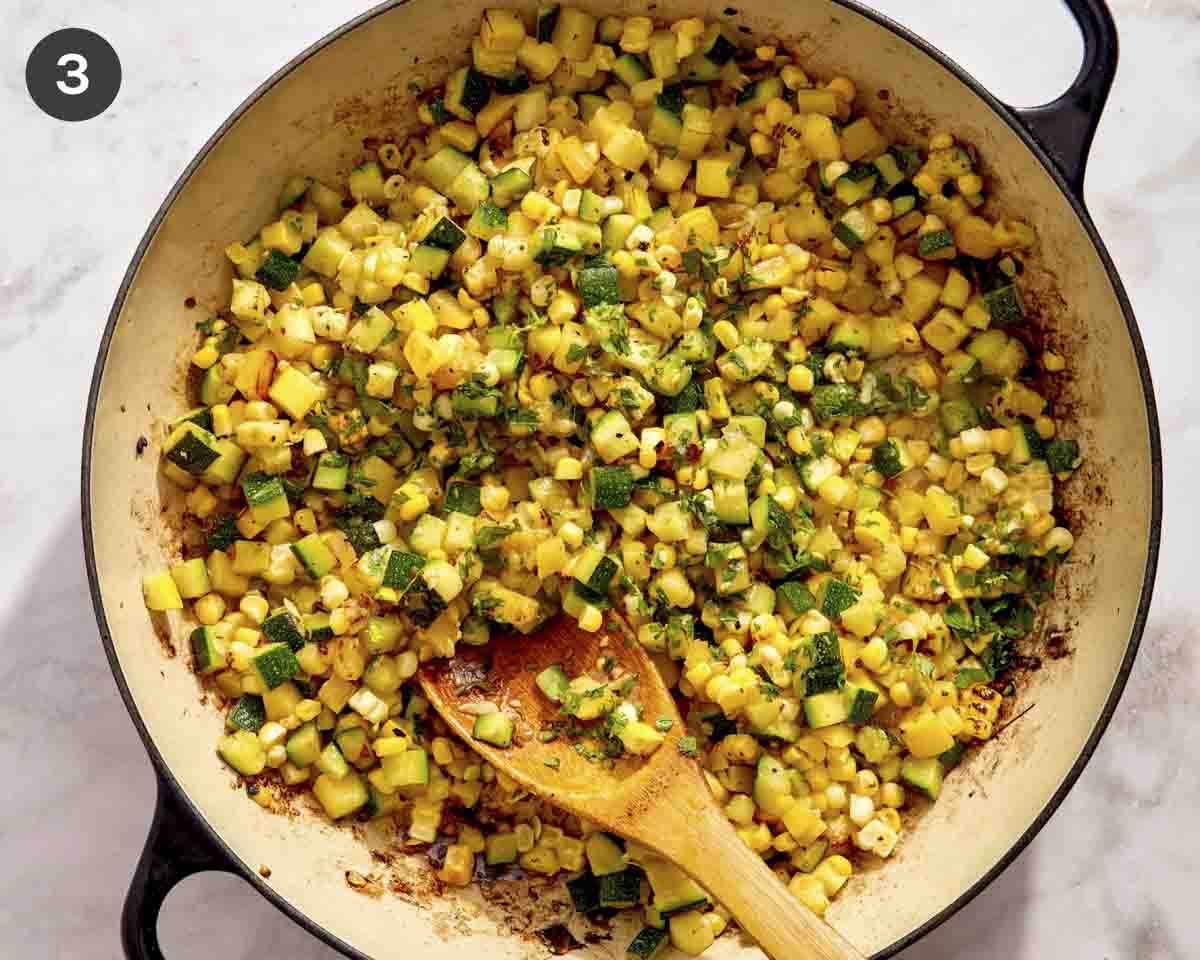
[{"x": 1113, "y": 875}]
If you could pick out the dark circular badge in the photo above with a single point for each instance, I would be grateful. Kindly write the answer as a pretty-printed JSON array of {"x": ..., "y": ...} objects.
[{"x": 73, "y": 74}]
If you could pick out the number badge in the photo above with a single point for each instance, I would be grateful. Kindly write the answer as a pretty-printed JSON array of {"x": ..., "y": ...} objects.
[{"x": 73, "y": 74}]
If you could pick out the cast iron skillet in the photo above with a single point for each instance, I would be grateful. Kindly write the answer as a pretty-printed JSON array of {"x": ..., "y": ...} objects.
[{"x": 1059, "y": 133}]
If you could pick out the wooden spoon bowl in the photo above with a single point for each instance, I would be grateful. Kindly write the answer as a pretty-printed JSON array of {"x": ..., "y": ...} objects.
[{"x": 660, "y": 801}]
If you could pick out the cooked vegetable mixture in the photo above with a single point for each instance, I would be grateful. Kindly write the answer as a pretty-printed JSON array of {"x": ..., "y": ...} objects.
[{"x": 643, "y": 321}]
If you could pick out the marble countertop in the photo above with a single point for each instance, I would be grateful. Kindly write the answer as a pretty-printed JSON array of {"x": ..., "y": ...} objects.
[{"x": 1110, "y": 878}]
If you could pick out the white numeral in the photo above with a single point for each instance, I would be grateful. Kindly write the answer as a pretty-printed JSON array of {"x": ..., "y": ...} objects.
[{"x": 77, "y": 72}]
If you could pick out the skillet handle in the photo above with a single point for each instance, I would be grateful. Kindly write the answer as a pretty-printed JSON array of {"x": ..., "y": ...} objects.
[
  {"x": 175, "y": 849},
  {"x": 1065, "y": 127}
]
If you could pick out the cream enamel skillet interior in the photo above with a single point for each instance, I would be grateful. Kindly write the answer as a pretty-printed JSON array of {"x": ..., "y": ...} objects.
[{"x": 313, "y": 115}]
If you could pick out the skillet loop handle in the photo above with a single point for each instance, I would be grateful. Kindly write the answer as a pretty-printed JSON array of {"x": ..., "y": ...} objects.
[
  {"x": 1065, "y": 127},
  {"x": 175, "y": 849}
]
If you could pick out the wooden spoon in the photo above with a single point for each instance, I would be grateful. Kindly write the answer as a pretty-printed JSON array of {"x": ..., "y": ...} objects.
[{"x": 660, "y": 801}]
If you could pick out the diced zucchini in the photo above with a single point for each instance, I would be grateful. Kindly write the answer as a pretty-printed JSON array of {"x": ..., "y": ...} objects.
[
  {"x": 509, "y": 186},
  {"x": 553, "y": 682},
  {"x": 585, "y": 893},
  {"x": 837, "y": 598},
  {"x": 332, "y": 472},
  {"x": 594, "y": 569},
  {"x": 402, "y": 570},
  {"x": 674, "y": 891},
  {"x": 811, "y": 856},
  {"x": 937, "y": 244},
  {"x": 275, "y": 664},
  {"x": 304, "y": 745},
  {"x": 851, "y": 336},
  {"x": 429, "y": 261},
  {"x": 191, "y": 578},
  {"x": 445, "y": 235},
  {"x": 515, "y": 82},
  {"x": 826, "y": 709},
  {"x": 889, "y": 170},
  {"x": 891, "y": 458},
  {"x": 500, "y": 848},
  {"x": 857, "y": 185},
  {"x": 282, "y": 627},
  {"x": 716, "y": 47},
  {"x": 795, "y": 598},
  {"x": 553, "y": 247},
  {"x": 730, "y": 501},
  {"x": 1004, "y": 306},
  {"x": 467, "y": 92},
  {"x": 613, "y": 437},
  {"x": 621, "y": 890},
  {"x": 755, "y": 96},
  {"x": 860, "y": 703},
  {"x": 494, "y": 728},
  {"x": 214, "y": 389},
  {"x": 925, "y": 776},
  {"x": 648, "y": 944},
  {"x": 314, "y": 555},
  {"x": 331, "y": 762},
  {"x": 463, "y": 498},
  {"x": 443, "y": 168},
  {"x": 487, "y": 221},
  {"x": 855, "y": 228},
  {"x": 958, "y": 415},
  {"x": 610, "y": 487},
  {"x": 470, "y": 188},
  {"x": 317, "y": 626},
  {"x": 604, "y": 854},
  {"x": 243, "y": 751},
  {"x": 598, "y": 283},
  {"x": 191, "y": 448},
  {"x": 247, "y": 714},
  {"x": 630, "y": 70},
  {"x": 341, "y": 797},
  {"x": 207, "y": 656},
  {"x": 1062, "y": 455},
  {"x": 266, "y": 498}
]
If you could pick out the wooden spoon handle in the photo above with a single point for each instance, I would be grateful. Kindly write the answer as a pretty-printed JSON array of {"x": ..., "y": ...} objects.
[{"x": 707, "y": 848}]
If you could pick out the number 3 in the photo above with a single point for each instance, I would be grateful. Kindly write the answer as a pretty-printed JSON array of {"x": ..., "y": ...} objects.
[{"x": 78, "y": 73}]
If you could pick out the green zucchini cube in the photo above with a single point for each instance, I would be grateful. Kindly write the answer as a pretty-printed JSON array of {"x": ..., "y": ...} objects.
[
  {"x": 585, "y": 893},
  {"x": 648, "y": 944},
  {"x": 314, "y": 555},
  {"x": 248, "y": 713},
  {"x": 206, "y": 652},
  {"x": 621, "y": 890},
  {"x": 283, "y": 627},
  {"x": 192, "y": 448},
  {"x": 275, "y": 664},
  {"x": 463, "y": 498}
]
